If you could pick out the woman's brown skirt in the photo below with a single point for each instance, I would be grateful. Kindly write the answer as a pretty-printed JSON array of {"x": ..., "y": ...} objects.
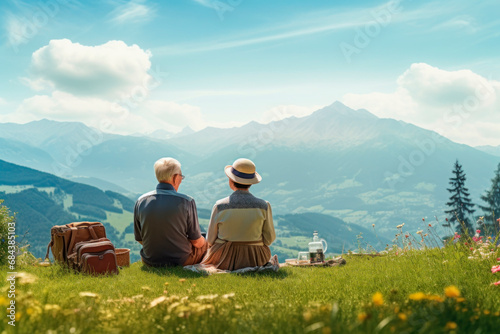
[{"x": 232, "y": 255}]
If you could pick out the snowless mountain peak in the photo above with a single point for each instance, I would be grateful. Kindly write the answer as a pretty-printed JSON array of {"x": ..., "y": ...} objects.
[{"x": 339, "y": 109}]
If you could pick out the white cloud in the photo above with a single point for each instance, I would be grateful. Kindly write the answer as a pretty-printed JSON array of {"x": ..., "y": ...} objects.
[
  {"x": 311, "y": 23},
  {"x": 435, "y": 87},
  {"x": 112, "y": 68},
  {"x": 95, "y": 83},
  {"x": 460, "y": 105},
  {"x": 147, "y": 117},
  {"x": 132, "y": 12},
  {"x": 463, "y": 23},
  {"x": 2, "y": 101},
  {"x": 37, "y": 84}
]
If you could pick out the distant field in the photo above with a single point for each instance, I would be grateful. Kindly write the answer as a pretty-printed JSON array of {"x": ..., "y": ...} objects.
[
  {"x": 68, "y": 201},
  {"x": 119, "y": 221},
  {"x": 14, "y": 189},
  {"x": 295, "y": 242}
]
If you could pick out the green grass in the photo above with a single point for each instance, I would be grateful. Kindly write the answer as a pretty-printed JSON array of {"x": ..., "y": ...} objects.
[{"x": 294, "y": 300}]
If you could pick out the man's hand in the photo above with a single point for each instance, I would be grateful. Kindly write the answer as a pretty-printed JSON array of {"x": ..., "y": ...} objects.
[{"x": 198, "y": 243}]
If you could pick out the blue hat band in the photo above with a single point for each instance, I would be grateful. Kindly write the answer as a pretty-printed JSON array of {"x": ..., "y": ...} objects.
[{"x": 242, "y": 175}]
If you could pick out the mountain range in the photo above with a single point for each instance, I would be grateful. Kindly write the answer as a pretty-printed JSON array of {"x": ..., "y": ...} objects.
[{"x": 337, "y": 161}]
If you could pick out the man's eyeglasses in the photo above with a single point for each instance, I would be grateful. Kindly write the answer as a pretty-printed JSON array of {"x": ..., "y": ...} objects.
[{"x": 182, "y": 176}]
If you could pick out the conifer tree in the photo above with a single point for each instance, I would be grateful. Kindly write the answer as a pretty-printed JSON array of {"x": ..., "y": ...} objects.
[
  {"x": 460, "y": 204},
  {"x": 492, "y": 199}
]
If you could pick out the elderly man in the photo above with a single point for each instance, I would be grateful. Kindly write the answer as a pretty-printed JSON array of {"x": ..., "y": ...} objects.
[{"x": 166, "y": 222}]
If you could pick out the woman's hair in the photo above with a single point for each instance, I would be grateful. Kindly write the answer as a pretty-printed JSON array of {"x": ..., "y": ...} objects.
[
  {"x": 166, "y": 168},
  {"x": 241, "y": 186}
]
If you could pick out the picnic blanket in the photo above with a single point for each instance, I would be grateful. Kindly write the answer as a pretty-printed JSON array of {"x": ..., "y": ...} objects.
[
  {"x": 272, "y": 266},
  {"x": 338, "y": 261}
]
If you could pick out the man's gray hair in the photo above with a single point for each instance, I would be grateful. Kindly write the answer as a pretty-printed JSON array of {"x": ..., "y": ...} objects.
[{"x": 166, "y": 168}]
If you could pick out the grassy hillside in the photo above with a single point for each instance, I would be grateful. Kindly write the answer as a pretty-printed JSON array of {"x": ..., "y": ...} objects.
[{"x": 405, "y": 293}]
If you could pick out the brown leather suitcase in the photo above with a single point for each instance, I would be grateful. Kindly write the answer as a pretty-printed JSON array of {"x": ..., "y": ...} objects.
[
  {"x": 65, "y": 237},
  {"x": 99, "y": 263},
  {"x": 95, "y": 257}
]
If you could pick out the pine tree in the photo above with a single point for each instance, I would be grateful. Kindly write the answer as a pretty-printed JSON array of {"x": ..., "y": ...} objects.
[
  {"x": 460, "y": 204},
  {"x": 492, "y": 199}
]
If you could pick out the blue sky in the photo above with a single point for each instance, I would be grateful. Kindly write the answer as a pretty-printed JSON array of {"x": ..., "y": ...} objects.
[{"x": 148, "y": 65}]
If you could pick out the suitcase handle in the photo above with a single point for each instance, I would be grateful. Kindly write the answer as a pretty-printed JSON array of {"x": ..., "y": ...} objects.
[
  {"x": 73, "y": 236},
  {"x": 48, "y": 250}
]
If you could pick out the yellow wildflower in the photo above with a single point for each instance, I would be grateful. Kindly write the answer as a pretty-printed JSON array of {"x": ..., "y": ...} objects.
[
  {"x": 402, "y": 317},
  {"x": 452, "y": 291},
  {"x": 307, "y": 316},
  {"x": 417, "y": 296},
  {"x": 460, "y": 300},
  {"x": 4, "y": 301},
  {"x": 450, "y": 325},
  {"x": 486, "y": 312},
  {"x": 362, "y": 316},
  {"x": 435, "y": 298},
  {"x": 378, "y": 299}
]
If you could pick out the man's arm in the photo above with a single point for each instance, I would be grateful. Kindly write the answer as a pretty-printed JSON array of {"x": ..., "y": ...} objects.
[
  {"x": 137, "y": 224},
  {"x": 194, "y": 233},
  {"x": 198, "y": 243}
]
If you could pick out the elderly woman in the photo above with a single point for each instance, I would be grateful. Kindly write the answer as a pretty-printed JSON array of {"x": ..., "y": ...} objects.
[{"x": 241, "y": 226}]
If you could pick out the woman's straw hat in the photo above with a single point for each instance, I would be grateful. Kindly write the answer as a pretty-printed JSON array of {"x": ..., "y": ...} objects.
[{"x": 243, "y": 171}]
